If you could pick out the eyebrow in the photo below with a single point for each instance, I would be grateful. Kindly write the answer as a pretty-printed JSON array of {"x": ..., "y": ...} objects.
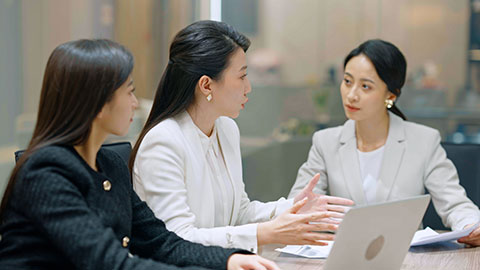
[
  {"x": 361, "y": 79},
  {"x": 243, "y": 68},
  {"x": 130, "y": 83}
]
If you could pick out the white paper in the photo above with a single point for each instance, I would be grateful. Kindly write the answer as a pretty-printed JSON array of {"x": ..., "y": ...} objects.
[
  {"x": 313, "y": 252},
  {"x": 429, "y": 236},
  {"x": 427, "y": 232}
]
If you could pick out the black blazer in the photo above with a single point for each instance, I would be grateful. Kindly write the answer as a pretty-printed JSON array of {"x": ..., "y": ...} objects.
[{"x": 64, "y": 215}]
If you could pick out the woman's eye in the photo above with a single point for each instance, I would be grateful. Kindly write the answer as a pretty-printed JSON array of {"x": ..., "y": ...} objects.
[
  {"x": 347, "y": 81},
  {"x": 366, "y": 87},
  {"x": 243, "y": 76}
]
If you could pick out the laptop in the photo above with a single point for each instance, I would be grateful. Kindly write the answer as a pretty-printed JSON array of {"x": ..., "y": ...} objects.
[{"x": 377, "y": 236}]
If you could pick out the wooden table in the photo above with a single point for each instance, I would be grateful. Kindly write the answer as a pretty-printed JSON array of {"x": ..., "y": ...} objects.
[{"x": 447, "y": 255}]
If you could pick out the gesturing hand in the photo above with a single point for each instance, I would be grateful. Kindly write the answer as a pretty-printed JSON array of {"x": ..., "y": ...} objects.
[
  {"x": 292, "y": 228},
  {"x": 250, "y": 262},
  {"x": 318, "y": 203}
]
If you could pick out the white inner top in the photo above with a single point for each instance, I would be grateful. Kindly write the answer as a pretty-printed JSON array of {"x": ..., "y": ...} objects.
[
  {"x": 370, "y": 163},
  {"x": 223, "y": 191}
]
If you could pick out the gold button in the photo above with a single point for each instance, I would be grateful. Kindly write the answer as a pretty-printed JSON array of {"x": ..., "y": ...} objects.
[
  {"x": 125, "y": 241},
  {"x": 107, "y": 185}
]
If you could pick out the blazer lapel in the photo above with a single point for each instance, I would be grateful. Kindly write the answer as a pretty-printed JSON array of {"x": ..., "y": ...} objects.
[
  {"x": 193, "y": 141},
  {"x": 349, "y": 161},
  {"x": 197, "y": 154},
  {"x": 228, "y": 152},
  {"x": 392, "y": 157}
]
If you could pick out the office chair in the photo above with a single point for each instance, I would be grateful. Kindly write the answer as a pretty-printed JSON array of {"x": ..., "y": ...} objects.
[
  {"x": 466, "y": 158},
  {"x": 123, "y": 149}
]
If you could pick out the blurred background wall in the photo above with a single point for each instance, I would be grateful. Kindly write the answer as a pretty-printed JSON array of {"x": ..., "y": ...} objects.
[{"x": 295, "y": 65}]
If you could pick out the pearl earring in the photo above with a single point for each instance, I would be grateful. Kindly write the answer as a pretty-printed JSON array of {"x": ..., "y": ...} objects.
[
  {"x": 209, "y": 97},
  {"x": 389, "y": 103}
]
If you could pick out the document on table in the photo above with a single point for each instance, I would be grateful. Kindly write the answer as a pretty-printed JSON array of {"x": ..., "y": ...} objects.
[
  {"x": 429, "y": 236},
  {"x": 313, "y": 252}
]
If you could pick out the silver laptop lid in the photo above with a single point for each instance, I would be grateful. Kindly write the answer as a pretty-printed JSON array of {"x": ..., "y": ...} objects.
[{"x": 377, "y": 236}]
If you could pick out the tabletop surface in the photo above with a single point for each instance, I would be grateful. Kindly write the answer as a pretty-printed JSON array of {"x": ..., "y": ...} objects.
[{"x": 446, "y": 255}]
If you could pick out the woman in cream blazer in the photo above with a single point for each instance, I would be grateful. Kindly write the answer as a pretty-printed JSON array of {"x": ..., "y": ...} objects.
[
  {"x": 187, "y": 164},
  {"x": 182, "y": 191},
  {"x": 377, "y": 156}
]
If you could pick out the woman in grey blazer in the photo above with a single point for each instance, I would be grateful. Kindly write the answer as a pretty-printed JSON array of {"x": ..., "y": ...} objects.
[{"x": 377, "y": 155}]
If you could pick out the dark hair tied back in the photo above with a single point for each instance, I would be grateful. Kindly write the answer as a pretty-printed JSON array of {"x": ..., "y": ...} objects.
[
  {"x": 389, "y": 63},
  {"x": 202, "y": 48}
]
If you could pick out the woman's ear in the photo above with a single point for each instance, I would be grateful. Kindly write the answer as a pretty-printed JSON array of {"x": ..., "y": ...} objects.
[
  {"x": 100, "y": 115},
  {"x": 205, "y": 85},
  {"x": 391, "y": 96}
]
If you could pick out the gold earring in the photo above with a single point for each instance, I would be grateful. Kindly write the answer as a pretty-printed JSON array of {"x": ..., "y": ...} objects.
[
  {"x": 389, "y": 103},
  {"x": 209, "y": 97}
]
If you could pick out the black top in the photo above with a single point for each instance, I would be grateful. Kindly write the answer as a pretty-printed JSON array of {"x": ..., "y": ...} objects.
[{"x": 63, "y": 215}]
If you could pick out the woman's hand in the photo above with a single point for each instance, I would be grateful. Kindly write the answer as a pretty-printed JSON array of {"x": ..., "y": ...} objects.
[
  {"x": 319, "y": 203},
  {"x": 473, "y": 239},
  {"x": 291, "y": 228},
  {"x": 250, "y": 262}
]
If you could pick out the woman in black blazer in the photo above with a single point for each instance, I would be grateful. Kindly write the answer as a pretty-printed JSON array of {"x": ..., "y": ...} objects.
[{"x": 70, "y": 205}]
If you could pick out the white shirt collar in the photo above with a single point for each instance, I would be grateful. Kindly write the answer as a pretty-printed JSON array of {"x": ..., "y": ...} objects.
[{"x": 208, "y": 142}]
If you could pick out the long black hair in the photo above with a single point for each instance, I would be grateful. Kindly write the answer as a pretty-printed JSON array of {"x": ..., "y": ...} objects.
[
  {"x": 202, "y": 48},
  {"x": 389, "y": 63},
  {"x": 80, "y": 78}
]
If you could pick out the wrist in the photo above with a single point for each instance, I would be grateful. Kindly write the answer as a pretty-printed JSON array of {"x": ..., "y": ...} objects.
[{"x": 264, "y": 233}]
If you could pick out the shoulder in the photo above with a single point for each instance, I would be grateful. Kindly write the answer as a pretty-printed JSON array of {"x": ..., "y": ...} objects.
[
  {"x": 54, "y": 156},
  {"x": 405, "y": 130},
  {"x": 421, "y": 139},
  {"x": 169, "y": 126},
  {"x": 166, "y": 138},
  {"x": 415, "y": 130},
  {"x": 167, "y": 131},
  {"x": 328, "y": 135},
  {"x": 112, "y": 161},
  {"x": 51, "y": 166}
]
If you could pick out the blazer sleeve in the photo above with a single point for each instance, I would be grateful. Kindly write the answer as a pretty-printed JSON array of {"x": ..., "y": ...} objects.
[
  {"x": 151, "y": 239},
  {"x": 315, "y": 164},
  {"x": 256, "y": 211},
  {"x": 448, "y": 196},
  {"x": 64, "y": 217},
  {"x": 159, "y": 179}
]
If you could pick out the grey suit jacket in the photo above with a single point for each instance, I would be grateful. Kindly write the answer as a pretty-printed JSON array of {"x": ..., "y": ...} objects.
[{"x": 413, "y": 161}]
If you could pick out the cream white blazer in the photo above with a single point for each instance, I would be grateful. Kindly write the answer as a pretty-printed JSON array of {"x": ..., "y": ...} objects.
[
  {"x": 169, "y": 173},
  {"x": 412, "y": 162}
]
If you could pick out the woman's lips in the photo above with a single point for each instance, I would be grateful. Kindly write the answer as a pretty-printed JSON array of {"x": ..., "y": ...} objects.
[
  {"x": 243, "y": 105},
  {"x": 351, "y": 108}
]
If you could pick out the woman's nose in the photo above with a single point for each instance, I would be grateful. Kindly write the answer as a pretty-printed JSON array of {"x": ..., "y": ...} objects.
[
  {"x": 135, "y": 102},
  {"x": 248, "y": 86},
  {"x": 352, "y": 94}
]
